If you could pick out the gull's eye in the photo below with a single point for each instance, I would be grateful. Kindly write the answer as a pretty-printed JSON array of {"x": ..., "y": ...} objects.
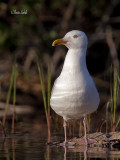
[{"x": 75, "y": 36}]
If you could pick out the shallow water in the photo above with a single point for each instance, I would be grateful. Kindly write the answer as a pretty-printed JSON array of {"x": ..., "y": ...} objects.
[
  {"x": 29, "y": 143},
  {"x": 34, "y": 148}
]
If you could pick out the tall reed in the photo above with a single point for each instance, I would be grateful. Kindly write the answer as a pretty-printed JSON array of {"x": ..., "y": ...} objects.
[
  {"x": 14, "y": 95},
  {"x": 11, "y": 86},
  {"x": 107, "y": 116},
  {"x": 114, "y": 99},
  {"x": 46, "y": 95},
  {"x": 8, "y": 96}
]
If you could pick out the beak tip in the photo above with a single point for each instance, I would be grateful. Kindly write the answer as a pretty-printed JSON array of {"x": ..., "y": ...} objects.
[
  {"x": 59, "y": 42},
  {"x": 53, "y": 44}
]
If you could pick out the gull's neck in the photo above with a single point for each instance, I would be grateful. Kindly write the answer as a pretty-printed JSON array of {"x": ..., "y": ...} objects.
[{"x": 75, "y": 59}]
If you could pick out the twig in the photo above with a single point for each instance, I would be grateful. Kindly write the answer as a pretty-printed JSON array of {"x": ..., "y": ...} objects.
[
  {"x": 3, "y": 129},
  {"x": 112, "y": 47}
]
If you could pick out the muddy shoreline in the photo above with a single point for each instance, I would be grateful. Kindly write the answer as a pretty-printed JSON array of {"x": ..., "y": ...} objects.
[{"x": 98, "y": 139}]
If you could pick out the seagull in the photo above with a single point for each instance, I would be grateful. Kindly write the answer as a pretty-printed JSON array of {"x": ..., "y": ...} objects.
[{"x": 74, "y": 94}]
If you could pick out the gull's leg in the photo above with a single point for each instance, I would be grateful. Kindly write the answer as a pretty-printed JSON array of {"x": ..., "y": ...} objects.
[
  {"x": 65, "y": 132},
  {"x": 85, "y": 136},
  {"x": 87, "y": 140}
]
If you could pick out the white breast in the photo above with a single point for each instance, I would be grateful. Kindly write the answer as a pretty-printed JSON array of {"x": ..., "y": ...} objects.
[{"x": 74, "y": 93}]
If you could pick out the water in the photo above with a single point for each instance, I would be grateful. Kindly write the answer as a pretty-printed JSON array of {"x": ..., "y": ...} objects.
[
  {"x": 34, "y": 148},
  {"x": 29, "y": 143}
]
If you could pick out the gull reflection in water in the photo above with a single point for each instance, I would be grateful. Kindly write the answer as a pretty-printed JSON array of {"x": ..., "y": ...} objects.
[{"x": 82, "y": 149}]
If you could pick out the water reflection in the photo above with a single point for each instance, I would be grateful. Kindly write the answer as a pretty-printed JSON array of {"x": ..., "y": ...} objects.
[
  {"x": 65, "y": 148},
  {"x": 47, "y": 153},
  {"x": 29, "y": 143},
  {"x": 83, "y": 150},
  {"x": 35, "y": 148}
]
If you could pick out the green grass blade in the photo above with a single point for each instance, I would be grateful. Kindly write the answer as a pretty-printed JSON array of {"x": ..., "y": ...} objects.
[
  {"x": 116, "y": 90},
  {"x": 107, "y": 107},
  {"x": 49, "y": 87},
  {"x": 8, "y": 96},
  {"x": 111, "y": 88},
  {"x": 14, "y": 84},
  {"x": 10, "y": 87},
  {"x": 41, "y": 76},
  {"x": 117, "y": 123},
  {"x": 14, "y": 96}
]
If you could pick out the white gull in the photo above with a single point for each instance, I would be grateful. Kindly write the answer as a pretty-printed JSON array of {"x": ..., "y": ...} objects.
[{"x": 74, "y": 94}]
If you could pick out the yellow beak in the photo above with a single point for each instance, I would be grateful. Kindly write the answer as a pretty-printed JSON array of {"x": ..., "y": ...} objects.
[{"x": 59, "y": 42}]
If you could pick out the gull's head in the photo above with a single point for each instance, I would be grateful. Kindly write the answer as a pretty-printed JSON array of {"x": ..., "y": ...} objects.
[{"x": 73, "y": 40}]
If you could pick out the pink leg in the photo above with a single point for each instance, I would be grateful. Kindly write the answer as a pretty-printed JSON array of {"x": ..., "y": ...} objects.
[
  {"x": 85, "y": 135},
  {"x": 87, "y": 141},
  {"x": 64, "y": 125},
  {"x": 65, "y": 132}
]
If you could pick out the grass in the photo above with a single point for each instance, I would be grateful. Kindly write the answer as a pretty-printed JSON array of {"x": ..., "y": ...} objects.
[
  {"x": 112, "y": 121},
  {"x": 107, "y": 115},
  {"x": 46, "y": 95},
  {"x": 11, "y": 86},
  {"x": 14, "y": 95},
  {"x": 8, "y": 96},
  {"x": 114, "y": 99}
]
